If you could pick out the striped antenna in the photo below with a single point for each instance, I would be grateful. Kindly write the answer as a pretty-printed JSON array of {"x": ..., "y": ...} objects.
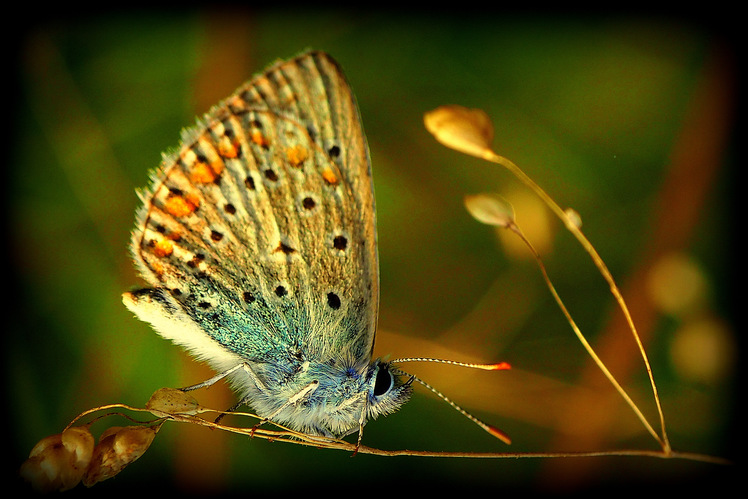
[
  {"x": 487, "y": 367},
  {"x": 500, "y": 366}
]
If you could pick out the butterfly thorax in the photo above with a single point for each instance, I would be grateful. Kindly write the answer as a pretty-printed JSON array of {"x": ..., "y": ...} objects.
[{"x": 323, "y": 398}]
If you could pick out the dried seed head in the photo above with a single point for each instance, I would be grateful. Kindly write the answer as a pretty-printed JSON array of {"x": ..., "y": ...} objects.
[
  {"x": 491, "y": 209},
  {"x": 465, "y": 130},
  {"x": 172, "y": 401},
  {"x": 58, "y": 462},
  {"x": 117, "y": 447},
  {"x": 574, "y": 217}
]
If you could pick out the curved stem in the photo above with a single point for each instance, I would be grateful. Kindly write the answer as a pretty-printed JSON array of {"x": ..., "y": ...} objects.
[{"x": 574, "y": 229}]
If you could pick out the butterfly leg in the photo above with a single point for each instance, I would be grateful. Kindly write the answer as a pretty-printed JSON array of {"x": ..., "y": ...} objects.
[
  {"x": 301, "y": 394},
  {"x": 361, "y": 421},
  {"x": 221, "y": 375},
  {"x": 233, "y": 408}
]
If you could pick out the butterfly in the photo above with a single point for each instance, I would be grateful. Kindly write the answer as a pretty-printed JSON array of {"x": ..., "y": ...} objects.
[{"x": 257, "y": 238}]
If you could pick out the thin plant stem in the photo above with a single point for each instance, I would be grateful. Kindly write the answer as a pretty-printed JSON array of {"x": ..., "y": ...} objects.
[
  {"x": 286, "y": 435},
  {"x": 574, "y": 229},
  {"x": 535, "y": 455},
  {"x": 515, "y": 228}
]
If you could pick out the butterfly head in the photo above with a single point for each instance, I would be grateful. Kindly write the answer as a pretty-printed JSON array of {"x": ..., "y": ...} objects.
[{"x": 387, "y": 389}]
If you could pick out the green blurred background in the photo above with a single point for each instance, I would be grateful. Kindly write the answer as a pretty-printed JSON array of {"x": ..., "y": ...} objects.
[{"x": 626, "y": 119}]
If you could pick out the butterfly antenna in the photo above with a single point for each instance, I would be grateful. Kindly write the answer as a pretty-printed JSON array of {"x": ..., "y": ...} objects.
[
  {"x": 499, "y": 366},
  {"x": 488, "y": 367}
]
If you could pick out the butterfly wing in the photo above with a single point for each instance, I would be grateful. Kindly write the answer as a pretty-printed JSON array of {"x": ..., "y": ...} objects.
[{"x": 258, "y": 234}]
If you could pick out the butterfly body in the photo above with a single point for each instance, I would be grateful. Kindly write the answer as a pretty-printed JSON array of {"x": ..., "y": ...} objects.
[{"x": 257, "y": 237}]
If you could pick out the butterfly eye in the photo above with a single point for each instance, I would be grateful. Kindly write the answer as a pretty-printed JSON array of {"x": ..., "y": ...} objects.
[{"x": 384, "y": 382}]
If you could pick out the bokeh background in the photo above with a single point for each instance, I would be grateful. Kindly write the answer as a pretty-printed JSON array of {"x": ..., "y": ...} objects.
[{"x": 627, "y": 119}]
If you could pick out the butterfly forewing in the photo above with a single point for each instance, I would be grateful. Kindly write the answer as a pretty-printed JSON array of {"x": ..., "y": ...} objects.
[{"x": 261, "y": 226}]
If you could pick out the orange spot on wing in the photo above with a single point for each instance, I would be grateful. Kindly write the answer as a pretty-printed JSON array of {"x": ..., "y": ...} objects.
[
  {"x": 205, "y": 173},
  {"x": 296, "y": 155},
  {"x": 217, "y": 167},
  {"x": 258, "y": 138},
  {"x": 163, "y": 248},
  {"x": 179, "y": 206},
  {"x": 193, "y": 200},
  {"x": 228, "y": 149},
  {"x": 236, "y": 102},
  {"x": 202, "y": 173},
  {"x": 157, "y": 268},
  {"x": 329, "y": 176}
]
